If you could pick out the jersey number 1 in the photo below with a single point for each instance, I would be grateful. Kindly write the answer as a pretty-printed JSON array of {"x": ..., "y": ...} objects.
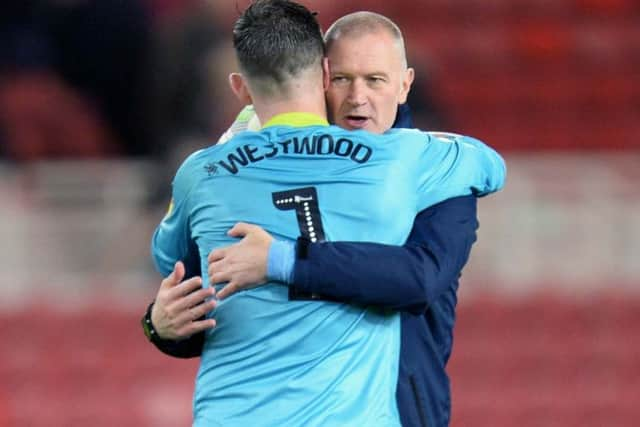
[{"x": 305, "y": 202}]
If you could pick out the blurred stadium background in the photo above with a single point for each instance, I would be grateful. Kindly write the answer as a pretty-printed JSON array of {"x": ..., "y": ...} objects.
[{"x": 99, "y": 102}]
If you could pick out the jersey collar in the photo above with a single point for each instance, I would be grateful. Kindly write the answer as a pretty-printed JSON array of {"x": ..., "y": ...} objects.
[{"x": 296, "y": 120}]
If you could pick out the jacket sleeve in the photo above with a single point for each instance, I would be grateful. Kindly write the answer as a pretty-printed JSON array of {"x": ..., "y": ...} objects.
[
  {"x": 183, "y": 349},
  {"x": 406, "y": 278},
  {"x": 189, "y": 347}
]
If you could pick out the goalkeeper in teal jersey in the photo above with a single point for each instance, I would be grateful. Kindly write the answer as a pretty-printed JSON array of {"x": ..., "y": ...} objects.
[{"x": 278, "y": 358}]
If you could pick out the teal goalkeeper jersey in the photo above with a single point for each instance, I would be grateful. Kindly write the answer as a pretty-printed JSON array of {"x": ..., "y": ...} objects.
[{"x": 279, "y": 359}]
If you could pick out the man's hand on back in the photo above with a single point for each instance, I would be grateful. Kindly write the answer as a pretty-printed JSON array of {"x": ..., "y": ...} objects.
[{"x": 179, "y": 305}]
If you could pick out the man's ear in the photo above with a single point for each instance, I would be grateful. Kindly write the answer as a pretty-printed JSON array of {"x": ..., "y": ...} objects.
[
  {"x": 239, "y": 88},
  {"x": 405, "y": 87},
  {"x": 326, "y": 74}
]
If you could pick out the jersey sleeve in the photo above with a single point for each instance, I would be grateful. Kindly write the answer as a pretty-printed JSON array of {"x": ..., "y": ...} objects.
[
  {"x": 171, "y": 241},
  {"x": 454, "y": 165}
]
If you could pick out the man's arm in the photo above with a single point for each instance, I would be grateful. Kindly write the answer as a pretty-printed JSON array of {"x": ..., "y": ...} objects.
[
  {"x": 407, "y": 277},
  {"x": 179, "y": 311}
]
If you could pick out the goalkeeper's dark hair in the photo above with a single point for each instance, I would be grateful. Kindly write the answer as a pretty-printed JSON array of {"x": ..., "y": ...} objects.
[{"x": 275, "y": 40}]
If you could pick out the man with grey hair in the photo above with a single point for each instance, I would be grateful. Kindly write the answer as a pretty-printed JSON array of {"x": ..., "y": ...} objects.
[
  {"x": 369, "y": 72},
  {"x": 369, "y": 79}
]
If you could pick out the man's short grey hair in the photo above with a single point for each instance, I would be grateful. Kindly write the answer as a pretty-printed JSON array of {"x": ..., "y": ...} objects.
[{"x": 362, "y": 23}]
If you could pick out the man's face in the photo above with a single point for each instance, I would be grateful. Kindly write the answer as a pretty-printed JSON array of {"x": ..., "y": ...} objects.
[{"x": 367, "y": 81}]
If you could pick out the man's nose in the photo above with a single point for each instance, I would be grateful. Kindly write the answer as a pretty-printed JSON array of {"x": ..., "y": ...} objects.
[{"x": 357, "y": 93}]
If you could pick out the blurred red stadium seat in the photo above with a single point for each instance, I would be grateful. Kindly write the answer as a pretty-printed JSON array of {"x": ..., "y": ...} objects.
[
  {"x": 540, "y": 361},
  {"x": 43, "y": 118},
  {"x": 546, "y": 361},
  {"x": 607, "y": 7},
  {"x": 536, "y": 75}
]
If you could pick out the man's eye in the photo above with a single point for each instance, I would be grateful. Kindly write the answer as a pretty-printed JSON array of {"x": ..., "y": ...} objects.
[
  {"x": 339, "y": 79},
  {"x": 376, "y": 79}
]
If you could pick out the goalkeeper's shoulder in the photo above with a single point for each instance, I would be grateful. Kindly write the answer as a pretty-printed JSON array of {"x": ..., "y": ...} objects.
[
  {"x": 247, "y": 119},
  {"x": 485, "y": 157},
  {"x": 476, "y": 153}
]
